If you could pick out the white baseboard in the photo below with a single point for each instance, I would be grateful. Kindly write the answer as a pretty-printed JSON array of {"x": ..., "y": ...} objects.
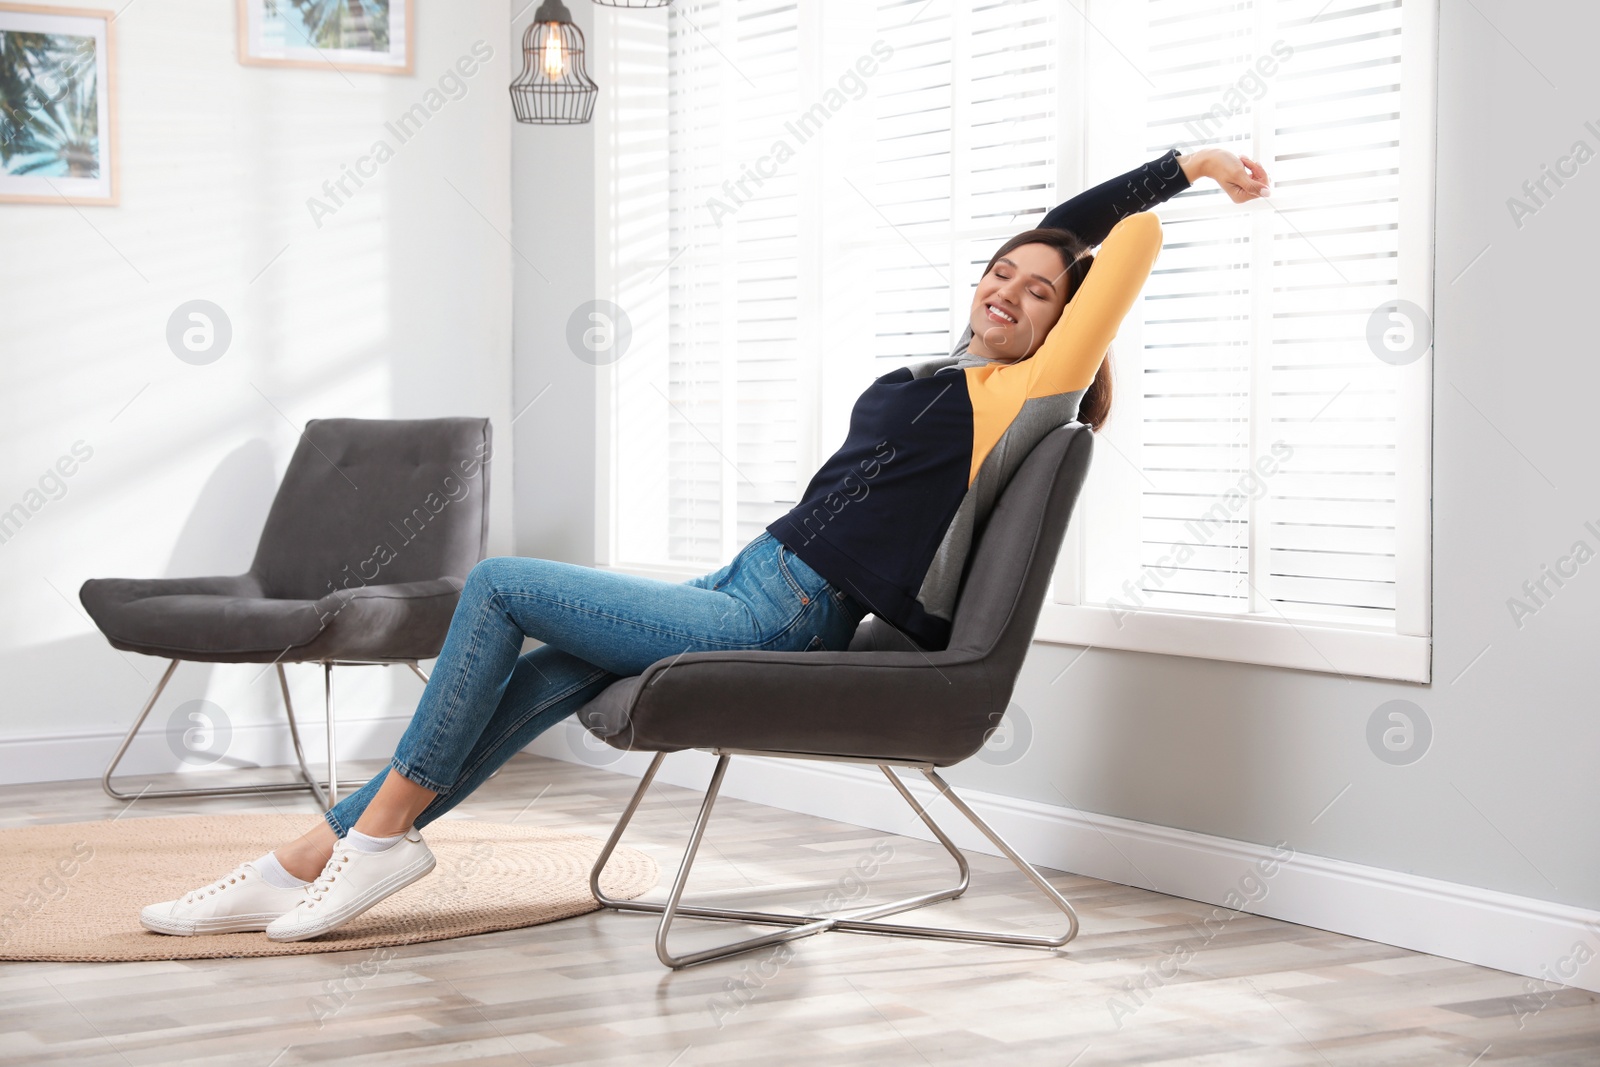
[
  {"x": 1551, "y": 942},
  {"x": 65, "y": 757}
]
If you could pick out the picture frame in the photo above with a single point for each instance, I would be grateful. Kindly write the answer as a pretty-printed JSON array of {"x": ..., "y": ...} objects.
[
  {"x": 58, "y": 105},
  {"x": 349, "y": 36}
]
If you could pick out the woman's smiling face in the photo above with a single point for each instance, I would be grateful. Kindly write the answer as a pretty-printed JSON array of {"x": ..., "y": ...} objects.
[{"x": 1017, "y": 303}]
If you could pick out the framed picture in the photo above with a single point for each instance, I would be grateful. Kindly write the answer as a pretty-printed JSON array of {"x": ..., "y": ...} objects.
[
  {"x": 346, "y": 35},
  {"x": 58, "y": 105}
]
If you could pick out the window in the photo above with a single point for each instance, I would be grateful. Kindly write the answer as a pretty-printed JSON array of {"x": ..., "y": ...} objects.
[
  {"x": 1263, "y": 464},
  {"x": 796, "y": 199}
]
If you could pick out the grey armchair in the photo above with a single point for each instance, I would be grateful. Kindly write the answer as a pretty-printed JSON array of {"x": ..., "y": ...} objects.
[
  {"x": 885, "y": 701},
  {"x": 361, "y": 561}
]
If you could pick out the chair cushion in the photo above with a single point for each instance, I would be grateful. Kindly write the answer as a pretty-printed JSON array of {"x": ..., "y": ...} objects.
[
  {"x": 407, "y": 620},
  {"x": 607, "y": 715},
  {"x": 931, "y": 707},
  {"x": 226, "y": 619},
  {"x": 879, "y": 635}
]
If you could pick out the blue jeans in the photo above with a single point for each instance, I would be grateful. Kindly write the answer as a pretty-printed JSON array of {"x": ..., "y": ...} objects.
[{"x": 486, "y": 700}]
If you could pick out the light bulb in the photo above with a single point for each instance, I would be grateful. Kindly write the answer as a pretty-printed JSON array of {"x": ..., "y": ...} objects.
[{"x": 555, "y": 64}]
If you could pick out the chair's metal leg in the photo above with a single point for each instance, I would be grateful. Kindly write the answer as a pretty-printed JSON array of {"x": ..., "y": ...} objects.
[
  {"x": 947, "y": 934},
  {"x": 105, "y": 779},
  {"x": 655, "y": 908},
  {"x": 938, "y": 831},
  {"x": 1050, "y": 892},
  {"x": 333, "y": 741},
  {"x": 616, "y": 836},
  {"x": 294, "y": 735},
  {"x": 721, "y": 914},
  {"x": 676, "y": 896},
  {"x": 306, "y": 782},
  {"x": 860, "y": 920},
  {"x": 799, "y": 925}
]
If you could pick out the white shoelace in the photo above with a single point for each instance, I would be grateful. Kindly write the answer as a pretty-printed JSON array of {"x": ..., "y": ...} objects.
[
  {"x": 236, "y": 875},
  {"x": 318, "y": 889}
]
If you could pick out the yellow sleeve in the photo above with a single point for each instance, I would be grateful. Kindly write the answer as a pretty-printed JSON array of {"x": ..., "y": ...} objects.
[{"x": 1072, "y": 351}]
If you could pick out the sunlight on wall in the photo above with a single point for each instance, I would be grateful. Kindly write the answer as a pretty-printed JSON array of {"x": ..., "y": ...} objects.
[{"x": 218, "y": 162}]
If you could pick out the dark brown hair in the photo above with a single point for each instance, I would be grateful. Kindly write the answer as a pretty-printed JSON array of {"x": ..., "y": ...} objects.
[{"x": 1095, "y": 407}]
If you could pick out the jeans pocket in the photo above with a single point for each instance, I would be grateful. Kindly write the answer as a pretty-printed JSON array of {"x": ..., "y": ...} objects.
[{"x": 791, "y": 573}]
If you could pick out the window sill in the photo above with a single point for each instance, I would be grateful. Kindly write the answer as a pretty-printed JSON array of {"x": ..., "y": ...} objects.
[{"x": 1270, "y": 642}]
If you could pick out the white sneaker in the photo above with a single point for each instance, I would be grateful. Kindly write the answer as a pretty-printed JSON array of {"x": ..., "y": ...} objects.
[
  {"x": 351, "y": 883},
  {"x": 239, "y": 901}
]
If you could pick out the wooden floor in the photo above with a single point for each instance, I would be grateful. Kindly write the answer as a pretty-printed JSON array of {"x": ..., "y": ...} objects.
[{"x": 589, "y": 989}]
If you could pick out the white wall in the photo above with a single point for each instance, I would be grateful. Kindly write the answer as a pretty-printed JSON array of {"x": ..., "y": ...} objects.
[{"x": 397, "y": 305}]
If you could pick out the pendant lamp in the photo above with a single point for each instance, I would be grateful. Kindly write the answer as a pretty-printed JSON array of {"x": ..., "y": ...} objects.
[{"x": 553, "y": 88}]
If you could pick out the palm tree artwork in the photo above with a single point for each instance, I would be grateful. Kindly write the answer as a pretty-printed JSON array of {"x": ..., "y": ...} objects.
[
  {"x": 348, "y": 25},
  {"x": 49, "y": 105}
]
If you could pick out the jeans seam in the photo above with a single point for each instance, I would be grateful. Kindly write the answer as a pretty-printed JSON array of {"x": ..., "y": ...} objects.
[
  {"x": 805, "y": 597},
  {"x": 466, "y": 772},
  {"x": 749, "y": 615},
  {"x": 453, "y": 701},
  {"x": 631, "y": 621}
]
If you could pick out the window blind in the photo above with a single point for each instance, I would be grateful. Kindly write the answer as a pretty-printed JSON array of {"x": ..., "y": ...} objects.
[
  {"x": 733, "y": 368},
  {"x": 965, "y": 155},
  {"x": 1267, "y": 426}
]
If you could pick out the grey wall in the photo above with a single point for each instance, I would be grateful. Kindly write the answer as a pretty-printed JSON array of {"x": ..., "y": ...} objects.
[
  {"x": 1506, "y": 796},
  {"x": 552, "y": 206}
]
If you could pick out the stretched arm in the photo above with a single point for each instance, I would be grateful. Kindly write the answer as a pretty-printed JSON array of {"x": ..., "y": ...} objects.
[
  {"x": 1092, "y": 213},
  {"x": 1071, "y": 353}
]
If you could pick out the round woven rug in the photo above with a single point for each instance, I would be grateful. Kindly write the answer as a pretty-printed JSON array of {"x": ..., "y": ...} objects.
[{"x": 72, "y": 892}]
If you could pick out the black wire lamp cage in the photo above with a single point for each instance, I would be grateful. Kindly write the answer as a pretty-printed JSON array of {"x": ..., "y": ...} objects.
[{"x": 553, "y": 89}]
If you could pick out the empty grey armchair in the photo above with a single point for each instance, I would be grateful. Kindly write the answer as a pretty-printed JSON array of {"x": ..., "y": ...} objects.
[
  {"x": 361, "y": 561},
  {"x": 885, "y": 701}
]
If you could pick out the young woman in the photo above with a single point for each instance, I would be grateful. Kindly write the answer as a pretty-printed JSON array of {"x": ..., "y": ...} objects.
[{"x": 884, "y": 526}]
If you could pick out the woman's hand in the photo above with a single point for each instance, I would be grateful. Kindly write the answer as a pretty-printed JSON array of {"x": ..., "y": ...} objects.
[{"x": 1241, "y": 177}]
